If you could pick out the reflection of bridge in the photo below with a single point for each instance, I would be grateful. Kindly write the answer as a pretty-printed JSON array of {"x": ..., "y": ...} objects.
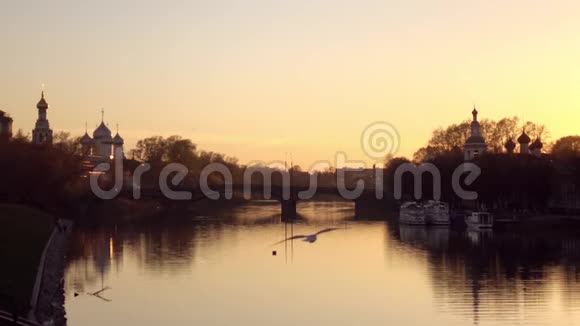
[{"x": 288, "y": 196}]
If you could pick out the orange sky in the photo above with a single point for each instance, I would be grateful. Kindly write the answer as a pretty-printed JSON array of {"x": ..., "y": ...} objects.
[{"x": 256, "y": 79}]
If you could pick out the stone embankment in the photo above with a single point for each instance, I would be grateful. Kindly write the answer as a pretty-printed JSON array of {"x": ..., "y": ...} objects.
[{"x": 47, "y": 300}]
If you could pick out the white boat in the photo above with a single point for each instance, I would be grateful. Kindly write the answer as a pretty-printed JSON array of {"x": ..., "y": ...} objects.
[
  {"x": 412, "y": 213},
  {"x": 437, "y": 212},
  {"x": 479, "y": 220}
]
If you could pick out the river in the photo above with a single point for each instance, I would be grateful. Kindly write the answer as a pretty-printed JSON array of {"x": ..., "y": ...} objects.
[{"x": 222, "y": 270}]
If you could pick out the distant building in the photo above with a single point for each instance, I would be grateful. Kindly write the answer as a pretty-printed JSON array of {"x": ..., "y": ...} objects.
[
  {"x": 510, "y": 146},
  {"x": 102, "y": 146},
  {"x": 525, "y": 148},
  {"x": 5, "y": 126},
  {"x": 474, "y": 145},
  {"x": 565, "y": 192},
  {"x": 524, "y": 141},
  {"x": 536, "y": 147},
  {"x": 42, "y": 134}
]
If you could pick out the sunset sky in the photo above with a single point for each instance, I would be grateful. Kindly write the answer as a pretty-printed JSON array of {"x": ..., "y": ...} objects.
[{"x": 256, "y": 79}]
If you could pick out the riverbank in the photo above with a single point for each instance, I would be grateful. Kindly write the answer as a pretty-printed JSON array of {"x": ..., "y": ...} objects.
[
  {"x": 47, "y": 301},
  {"x": 32, "y": 251},
  {"x": 24, "y": 232}
]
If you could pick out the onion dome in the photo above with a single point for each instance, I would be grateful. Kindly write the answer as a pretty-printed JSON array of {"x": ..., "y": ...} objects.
[
  {"x": 510, "y": 145},
  {"x": 102, "y": 132},
  {"x": 42, "y": 103},
  {"x": 474, "y": 112},
  {"x": 118, "y": 140},
  {"x": 524, "y": 138},
  {"x": 86, "y": 139},
  {"x": 538, "y": 143}
]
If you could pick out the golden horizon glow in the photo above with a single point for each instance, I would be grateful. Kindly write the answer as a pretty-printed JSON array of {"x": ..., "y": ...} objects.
[{"x": 257, "y": 79}]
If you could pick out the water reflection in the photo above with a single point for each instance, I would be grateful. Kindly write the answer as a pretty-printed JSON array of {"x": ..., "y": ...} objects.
[
  {"x": 365, "y": 273},
  {"x": 501, "y": 276}
]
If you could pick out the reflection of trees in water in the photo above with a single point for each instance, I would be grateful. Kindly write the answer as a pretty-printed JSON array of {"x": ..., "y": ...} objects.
[
  {"x": 169, "y": 246},
  {"x": 89, "y": 258},
  {"x": 157, "y": 248},
  {"x": 498, "y": 275}
]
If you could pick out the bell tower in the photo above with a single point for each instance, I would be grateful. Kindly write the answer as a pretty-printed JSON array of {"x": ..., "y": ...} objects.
[
  {"x": 475, "y": 144},
  {"x": 42, "y": 134}
]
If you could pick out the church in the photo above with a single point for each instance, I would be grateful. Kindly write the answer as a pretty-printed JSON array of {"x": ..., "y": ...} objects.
[
  {"x": 98, "y": 149},
  {"x": 42, "y": 134},
  {"x": 102, "y": 146},
  {"x": 475, "y": 144}
]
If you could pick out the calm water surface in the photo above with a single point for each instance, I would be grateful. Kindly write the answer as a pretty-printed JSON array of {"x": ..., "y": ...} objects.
[{"x": 220, "y": 271}]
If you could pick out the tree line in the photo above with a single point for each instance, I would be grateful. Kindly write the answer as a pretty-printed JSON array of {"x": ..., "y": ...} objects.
[
  {"x": 508, "y": 182},
  {"x": 58, "y": 167}
]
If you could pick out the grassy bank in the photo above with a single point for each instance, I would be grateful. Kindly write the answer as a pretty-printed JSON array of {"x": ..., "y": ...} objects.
[{"x": 24, "y": 232}]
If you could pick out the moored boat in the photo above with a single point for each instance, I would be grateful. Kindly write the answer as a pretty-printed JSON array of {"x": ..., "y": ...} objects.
[
  {"x": 479, "y": 220},
  {"x": 437, "y": 212},
  {"x": 412, "y": 213}
]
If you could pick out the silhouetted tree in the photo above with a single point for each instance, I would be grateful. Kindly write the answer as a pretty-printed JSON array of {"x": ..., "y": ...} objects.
[
  {"x": 63, "y": 142},
  {"x": 151, "y": 150},
  {"x": 41, "y": 176},
  {"x": 159, "y": 151},
  {"x": 496, "y": 133},
  {"x": 180, "y": 150},
  {"x": 567, "y": 147},
  {"x": 21, "y": 137}
]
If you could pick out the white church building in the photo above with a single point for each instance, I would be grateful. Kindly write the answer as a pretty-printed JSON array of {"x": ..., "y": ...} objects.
[
  {"x": 102, "y": 146},
  {"x": 475, "y": 144},
  {"x": 42, "y": 134}
]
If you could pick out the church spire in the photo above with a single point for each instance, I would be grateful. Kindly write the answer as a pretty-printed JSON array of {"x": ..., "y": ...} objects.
[
  {"x": 42, "y": 134},
  {"x": 475, "y": 143},
  {"x": 42, "y": 105}
]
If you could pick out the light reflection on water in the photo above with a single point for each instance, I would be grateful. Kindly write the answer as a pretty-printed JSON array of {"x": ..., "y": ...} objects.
[{"x": 210, "y": 271}]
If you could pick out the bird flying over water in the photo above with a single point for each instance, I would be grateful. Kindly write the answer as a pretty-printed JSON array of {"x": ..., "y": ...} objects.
[{"x": 311, "y": 238}]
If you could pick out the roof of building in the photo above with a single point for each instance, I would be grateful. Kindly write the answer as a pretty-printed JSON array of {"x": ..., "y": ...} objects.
[
  {"x": 4, "y": 116},
  {"x": 524, "y": 138},
  {"x": 102, "y": 131},
  {"x": 510, "y": 145},
  {"x": 538, "y": 143},
  {"x": 42, "y": 103},
  {"x": 118, "y": 139},
  {"x": 86, "y": 139}
]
